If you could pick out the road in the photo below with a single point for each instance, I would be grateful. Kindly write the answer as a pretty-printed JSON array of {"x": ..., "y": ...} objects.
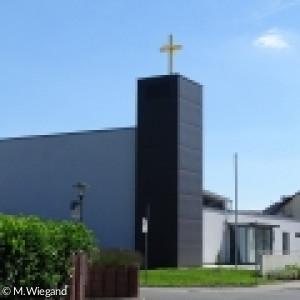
[{"x": 287, "y": 291}]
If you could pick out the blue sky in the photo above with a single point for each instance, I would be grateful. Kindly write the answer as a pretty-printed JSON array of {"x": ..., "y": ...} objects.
[{"x": 72, "y": 65}]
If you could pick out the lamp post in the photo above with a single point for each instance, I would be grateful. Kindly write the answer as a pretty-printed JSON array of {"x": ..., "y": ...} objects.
[{"x": 78, "y": 204}]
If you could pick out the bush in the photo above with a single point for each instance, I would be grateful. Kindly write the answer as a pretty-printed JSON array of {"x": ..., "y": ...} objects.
[
  {"x": 296, "y": 269},
  {"x": 38, "y": 253},
  {"x": 288, "y": 273},
  {"x": 114, "y": 257}
]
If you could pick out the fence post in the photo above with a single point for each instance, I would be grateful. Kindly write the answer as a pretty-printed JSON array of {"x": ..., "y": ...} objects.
[
  {"x": 71, "y": 290},
  {"x": 79, "y": 277}
]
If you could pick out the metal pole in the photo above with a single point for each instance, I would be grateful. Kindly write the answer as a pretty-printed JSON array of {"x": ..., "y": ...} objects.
[
  {"x": 146, "y": 244},
  {"x": 146, "y": 258},
  {"x": 256, "y": 252},
  {"x": 171, "y": 54},
  {"x": 81, "y": 208},
  {"x": 236, "y": 210}
]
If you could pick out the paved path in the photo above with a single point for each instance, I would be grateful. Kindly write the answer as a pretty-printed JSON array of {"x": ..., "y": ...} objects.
[{"x": 286, "y": 291}]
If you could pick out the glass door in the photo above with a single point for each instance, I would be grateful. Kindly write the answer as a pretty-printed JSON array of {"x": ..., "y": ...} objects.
[{"x": 246, "y": 243}]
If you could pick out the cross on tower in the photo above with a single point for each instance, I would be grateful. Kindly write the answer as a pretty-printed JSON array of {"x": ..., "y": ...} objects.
[{"x": 170, "y": 48}]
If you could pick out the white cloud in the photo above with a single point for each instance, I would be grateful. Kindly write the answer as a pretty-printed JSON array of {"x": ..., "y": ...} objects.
[{"x": 271, "y": 39}]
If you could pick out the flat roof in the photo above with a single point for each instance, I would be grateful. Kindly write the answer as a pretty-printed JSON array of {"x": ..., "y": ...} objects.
[
  {"x": 65, "y": 133},
  {"x": 253, "y": 224}
]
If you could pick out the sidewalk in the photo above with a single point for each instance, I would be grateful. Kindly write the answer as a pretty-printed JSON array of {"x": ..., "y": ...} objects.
[
  {"x": 295, "y": 284},
  {"x": 291, "y": 285}
]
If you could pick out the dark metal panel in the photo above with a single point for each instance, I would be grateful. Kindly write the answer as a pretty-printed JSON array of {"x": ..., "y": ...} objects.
[
  {"x": 157, "y": 156},
  {"x": 190, "y": 136},
  {"x": 190, "y": 112},
  {"x": 190, "y": 231},
  {"x": 189, "y": 255},
  {"x": 189, "y": 207},
  {"x": 190, "y": 173},
  {"x": 190, "y": 159},
  {"x": 156, "y": 175},
  {"x": 158, "y": 134},
  {"x": 191, "y": 90},
  {"x": 189, "y": 183}
]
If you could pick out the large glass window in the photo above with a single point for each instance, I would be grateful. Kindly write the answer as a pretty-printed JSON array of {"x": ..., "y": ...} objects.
[{"x": 251, "y": 245}]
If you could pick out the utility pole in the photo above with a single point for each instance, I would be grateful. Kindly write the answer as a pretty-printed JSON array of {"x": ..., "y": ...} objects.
[{"x": 236, "y": 210}]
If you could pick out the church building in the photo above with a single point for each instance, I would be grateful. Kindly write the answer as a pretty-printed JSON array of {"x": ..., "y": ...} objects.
[{"x": 155, "y": 166}]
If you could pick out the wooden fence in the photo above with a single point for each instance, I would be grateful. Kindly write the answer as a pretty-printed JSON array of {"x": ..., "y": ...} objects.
[{"x": 99, "y": 281}]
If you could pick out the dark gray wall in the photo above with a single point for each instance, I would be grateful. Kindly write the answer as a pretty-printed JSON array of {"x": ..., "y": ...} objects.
[
  {"x": 37, "y": 174},
  {"x": 156, "y": 175},
  {"x": 169, "y": 169},
  {"x": 190, "y": 172}
]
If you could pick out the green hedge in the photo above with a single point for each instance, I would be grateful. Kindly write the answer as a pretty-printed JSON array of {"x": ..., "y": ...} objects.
[{"x": 37, "y": 253}]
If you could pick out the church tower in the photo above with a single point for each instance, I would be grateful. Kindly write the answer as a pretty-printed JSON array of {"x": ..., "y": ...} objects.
[{"x": 169, "y": 170}]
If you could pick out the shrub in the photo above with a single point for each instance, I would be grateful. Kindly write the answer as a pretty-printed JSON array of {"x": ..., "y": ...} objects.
[
  {"x": 38, "y": 253},
  {"x": 288, "y": 273},
  {"x": 115, "y": 257},
  {"x": 296, "y": 269}
]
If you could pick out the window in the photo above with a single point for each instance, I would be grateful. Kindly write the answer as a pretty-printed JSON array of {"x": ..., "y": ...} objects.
[
  {"x": 251, "y": 240},
  {"x": 264, "y": 240},
  {"x": 297, "y": 234},
  {"x": 285, "y": 243}
]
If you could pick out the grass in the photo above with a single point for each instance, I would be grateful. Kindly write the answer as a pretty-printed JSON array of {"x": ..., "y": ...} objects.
[{"x": 201, "y": 277}]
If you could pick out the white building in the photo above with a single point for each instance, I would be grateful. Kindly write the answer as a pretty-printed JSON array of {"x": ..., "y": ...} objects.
[{"x": 276, "y": 233}]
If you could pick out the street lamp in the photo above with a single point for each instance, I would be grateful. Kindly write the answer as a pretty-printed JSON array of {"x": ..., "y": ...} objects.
[{"x": 76, "y": 206}]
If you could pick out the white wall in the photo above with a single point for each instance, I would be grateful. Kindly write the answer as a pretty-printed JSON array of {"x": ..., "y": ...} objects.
[
  {"x": 37, "y": 174},
  {"x": 214, "y": 236},
  {"x": 277, "y": 262}
]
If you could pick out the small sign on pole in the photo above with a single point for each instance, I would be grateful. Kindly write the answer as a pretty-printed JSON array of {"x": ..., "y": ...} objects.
[{"x": 145, "y": 225}]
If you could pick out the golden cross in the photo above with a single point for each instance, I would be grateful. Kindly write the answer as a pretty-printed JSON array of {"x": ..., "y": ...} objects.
[{"x": 171, "y": 49}]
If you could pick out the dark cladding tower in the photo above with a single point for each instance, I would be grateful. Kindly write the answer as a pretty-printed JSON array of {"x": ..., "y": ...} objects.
[{"x": 169, "y": 170}]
